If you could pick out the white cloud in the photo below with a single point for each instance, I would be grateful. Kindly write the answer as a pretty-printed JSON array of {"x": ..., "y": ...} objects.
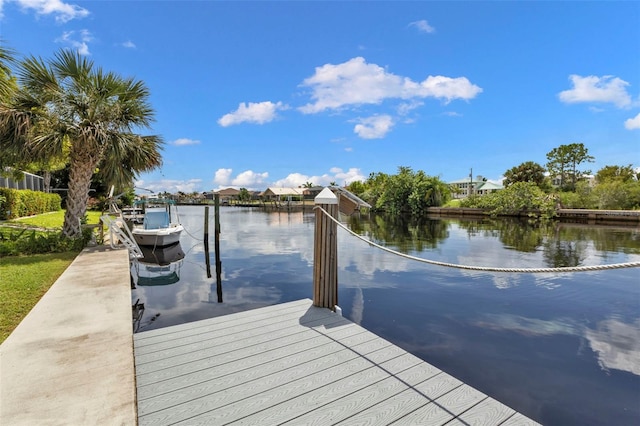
[
  {"x": 77, "y": 40},
  {"x": 129, "y": 44},
  {"x": 406, "y": 107},
  {"x": 247, "y": 179},
  {"x": 184, "y": 142},
  {"x": 423, "y": 26},
  {"x": 258, "y": 113},
  {"x": 250, "y": 179},
  {"x": 222, "y": 177},
  {"x": 607, "y": 89},
  {"x": 356, "y": 82},
  {"x": 63, "y": 12},
  {"x": 375, "y": 127},
  {"x": 632, "y": 123},
  {"x": 294, "y": 180},
  {"x": 351, "y": 175},
  {"x": 335, "y": 174}
]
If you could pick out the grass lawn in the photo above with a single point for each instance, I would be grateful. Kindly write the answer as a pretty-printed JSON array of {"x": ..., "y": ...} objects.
[
  {"x": 53, "y": 219},
  {"x": 25, "y": 279},
  {"x": 452, "y": 203}
]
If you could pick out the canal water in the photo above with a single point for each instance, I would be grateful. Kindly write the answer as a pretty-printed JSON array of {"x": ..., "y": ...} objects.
[{"x": 562, "y": 348}]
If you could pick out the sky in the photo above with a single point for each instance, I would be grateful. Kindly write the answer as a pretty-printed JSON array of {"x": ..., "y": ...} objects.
[{"x": 281, "y": 93}]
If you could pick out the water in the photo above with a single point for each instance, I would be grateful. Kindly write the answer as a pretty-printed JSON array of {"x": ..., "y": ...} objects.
[{"x": 563, "y": 349}]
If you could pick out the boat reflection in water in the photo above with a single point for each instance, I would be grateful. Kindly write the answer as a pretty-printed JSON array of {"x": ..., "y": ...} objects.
[{"x": 158, "y": 266}]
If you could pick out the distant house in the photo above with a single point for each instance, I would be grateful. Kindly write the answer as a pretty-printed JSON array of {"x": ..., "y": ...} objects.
[
  {"x": 228, "y": 195},
  {"x": 462, "y": 188},
  {"x": 488, "y": 187},
  {"x": 557, "y": 180},
  {"x": 281, "y": 194}
]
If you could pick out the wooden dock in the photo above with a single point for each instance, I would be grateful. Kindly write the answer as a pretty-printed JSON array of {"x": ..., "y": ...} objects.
[{"x": 296, "y": 364}]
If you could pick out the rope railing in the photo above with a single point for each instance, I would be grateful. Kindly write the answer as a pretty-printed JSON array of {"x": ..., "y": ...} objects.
[{"x": 483, "y": 268}]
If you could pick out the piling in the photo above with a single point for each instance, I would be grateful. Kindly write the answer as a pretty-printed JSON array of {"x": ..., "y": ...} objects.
[
  {"x": 206, "y": 241},
  {"x": 216, "y": 233},
  {"x": 325, "y": 251}
]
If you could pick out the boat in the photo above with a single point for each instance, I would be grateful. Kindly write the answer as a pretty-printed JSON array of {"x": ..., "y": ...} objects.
[
  {"x": 160, "y": 226},
  {"x": 161, "y": 256}
]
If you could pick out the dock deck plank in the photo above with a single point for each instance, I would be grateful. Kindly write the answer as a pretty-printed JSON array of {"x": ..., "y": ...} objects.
[{"x": 295, "y": 364}]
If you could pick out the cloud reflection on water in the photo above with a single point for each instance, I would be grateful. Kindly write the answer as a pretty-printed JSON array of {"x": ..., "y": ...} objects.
[{"x": 615, "y": 343}]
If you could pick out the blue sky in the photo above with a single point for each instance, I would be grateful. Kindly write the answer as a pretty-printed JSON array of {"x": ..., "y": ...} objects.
[{"x": 258, "y": 94}]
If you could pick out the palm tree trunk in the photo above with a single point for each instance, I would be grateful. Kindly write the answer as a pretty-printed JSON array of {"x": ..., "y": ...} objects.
[
  {"x": 47, "y": 181},
  {"x": 80, "y": 171}
]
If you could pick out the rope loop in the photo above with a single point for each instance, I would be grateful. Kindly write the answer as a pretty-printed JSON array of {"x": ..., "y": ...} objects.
[{"x": 484, "y": 268}]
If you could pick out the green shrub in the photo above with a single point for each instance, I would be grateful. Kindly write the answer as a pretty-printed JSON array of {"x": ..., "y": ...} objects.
[
  {"x": 517, "y": 198},
  {"x": 25, "y": 241},
  {"x": 581, "y": 198},
  {"x": 16, "y": 203},
  {"x": 615, "y": 195}
]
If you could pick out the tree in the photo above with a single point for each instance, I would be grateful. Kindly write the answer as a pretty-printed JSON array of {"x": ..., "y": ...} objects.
[
  {"x": 20, "y": 159},
  {"x": 69, "y": 100},
  {"x": 564, "y": 160},
  {"x": 374, "y": 186},
  {"x": 244, "y": 194},
  {"x": 410, "y": 192},
  {"x": 396, "y": 192},
  {"x": 618, "y": 187},
  {"x": 357, "y": 187},
  {"x": 616, "y": 173},
  {"x": 515, "y": 199},
  {"x": 8, "y": 86},
  {"x": 525, "y": 172},
  {"x": 7, "y": 81},
  {"x": 307, "y": 185},
  {"x": 616, "y": 194}
]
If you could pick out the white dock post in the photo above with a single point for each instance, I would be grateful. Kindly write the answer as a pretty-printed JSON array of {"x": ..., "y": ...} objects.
[{"x": 325, "y": 252}]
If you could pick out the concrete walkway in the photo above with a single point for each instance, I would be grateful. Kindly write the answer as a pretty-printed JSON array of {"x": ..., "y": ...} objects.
[{"x": 70, "y": 361}]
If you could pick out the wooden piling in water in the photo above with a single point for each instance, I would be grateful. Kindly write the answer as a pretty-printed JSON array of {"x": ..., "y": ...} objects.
[
  {"x": 325, "y": 252},
  {"x": 216, "y": 232},
  {"x": 206, "y": 241}
]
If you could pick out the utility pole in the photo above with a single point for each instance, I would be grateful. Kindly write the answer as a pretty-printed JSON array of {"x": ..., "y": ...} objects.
[{"x": 471, "y": 182}]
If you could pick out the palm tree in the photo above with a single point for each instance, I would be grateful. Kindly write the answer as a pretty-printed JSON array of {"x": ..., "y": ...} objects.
[
  {"x": 7, "y": 83},
  {"x": 8, "y": 157},
  {"x": 67, "y": 100}
]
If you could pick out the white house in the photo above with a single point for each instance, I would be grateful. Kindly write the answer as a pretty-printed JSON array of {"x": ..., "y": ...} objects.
[{"x": 462, "y": 188}]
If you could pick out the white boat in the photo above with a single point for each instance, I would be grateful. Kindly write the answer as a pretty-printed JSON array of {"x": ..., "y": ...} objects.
[{"x": 160, "y": 226}]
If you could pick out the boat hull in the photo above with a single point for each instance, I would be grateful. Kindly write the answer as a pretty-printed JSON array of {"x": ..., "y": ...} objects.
[
  {"x": 161, "y": 237},
  {"x": 162, "y": 256}
]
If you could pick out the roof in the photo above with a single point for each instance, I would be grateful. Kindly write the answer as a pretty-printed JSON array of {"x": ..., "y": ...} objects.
[
  {"x": 488, "y": 185},
  {"x": 351, "y": 196},
  {"x": 464, "y": 180},
  {"x": 227, "y": 192},
  {"x": 282, "y": 191}
]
